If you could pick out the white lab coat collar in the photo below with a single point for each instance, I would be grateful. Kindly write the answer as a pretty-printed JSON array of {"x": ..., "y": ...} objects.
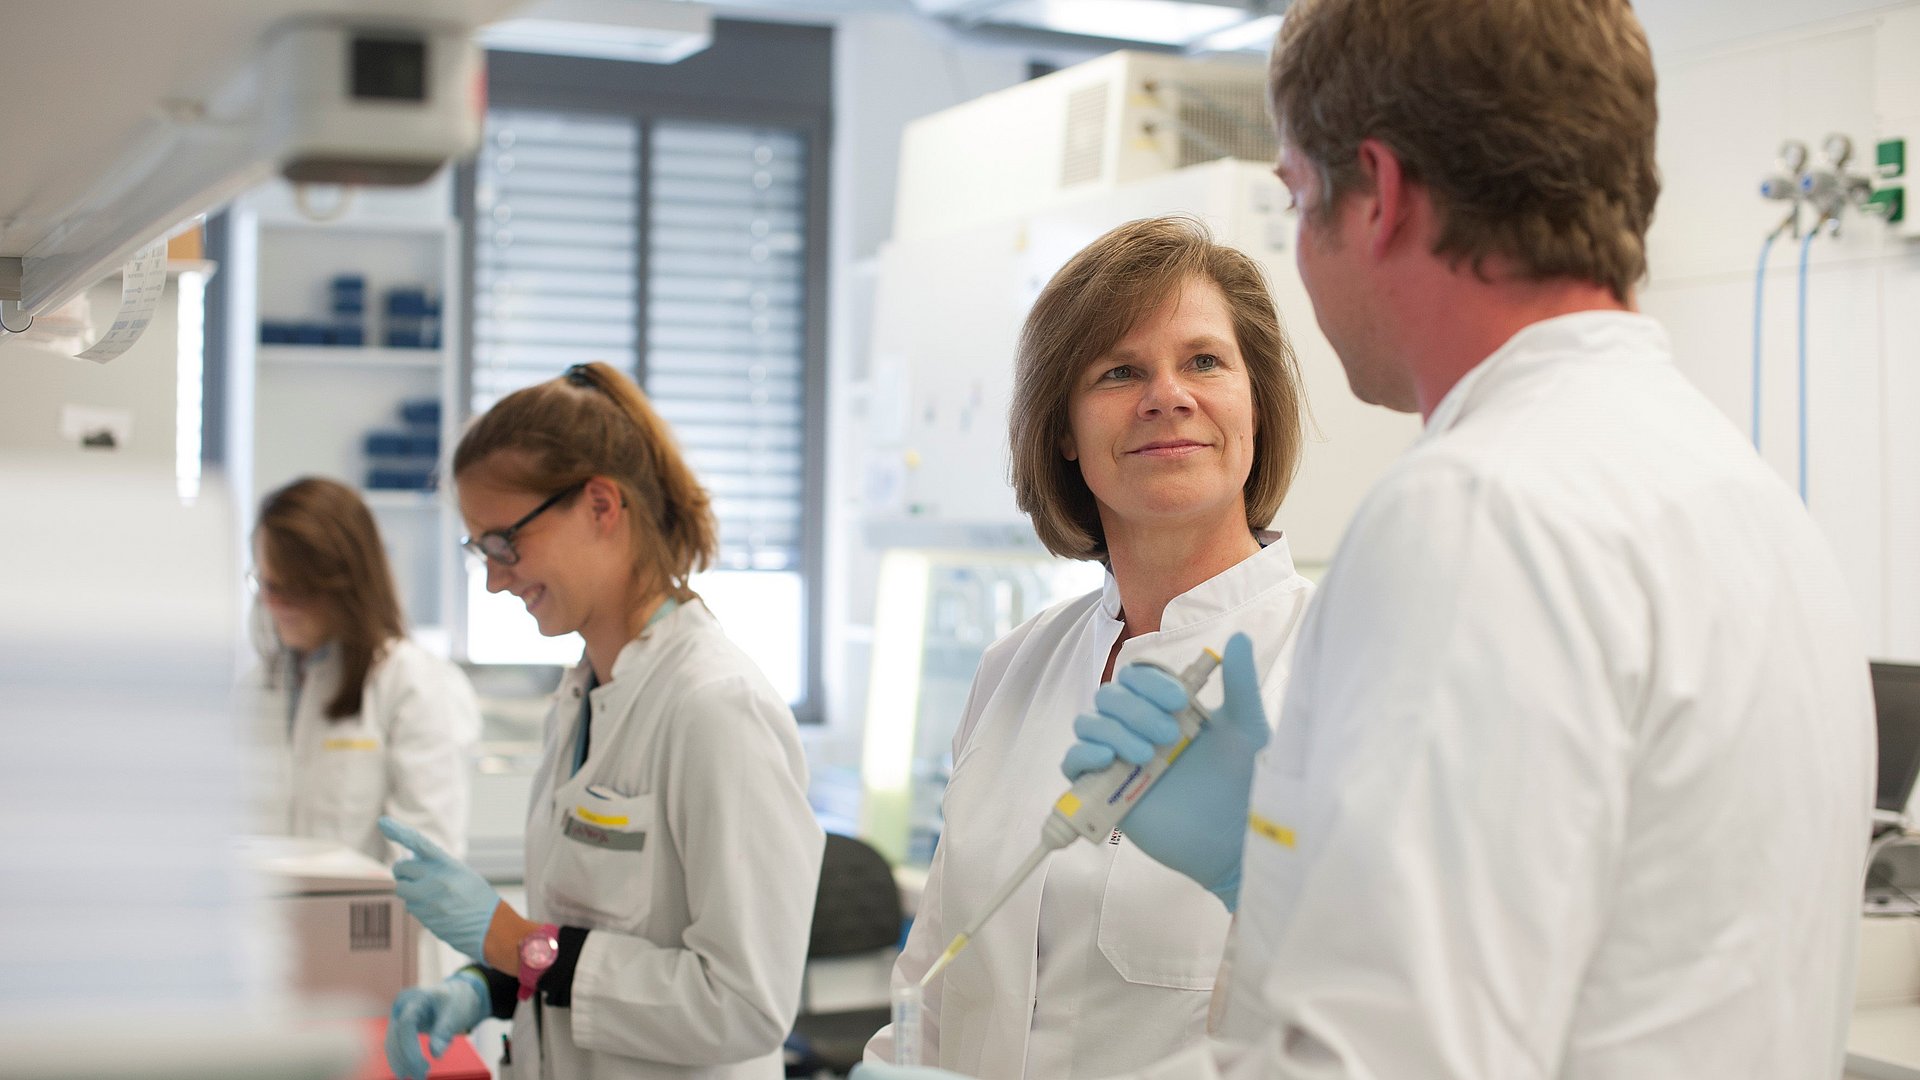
[
  {"x": 1588, "y": 336},
  {"x": 635, "y": 656},
  {"x": 1222, "y": 592}
]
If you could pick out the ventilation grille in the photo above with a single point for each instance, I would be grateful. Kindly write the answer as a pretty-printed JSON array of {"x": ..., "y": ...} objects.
[
  {"x": 1080, "y": 159},
  {"x": 1224, "y": 119}
]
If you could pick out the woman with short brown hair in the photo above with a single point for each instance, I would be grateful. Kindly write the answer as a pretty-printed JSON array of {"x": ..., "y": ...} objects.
[{"x": 1155, "y": 428}]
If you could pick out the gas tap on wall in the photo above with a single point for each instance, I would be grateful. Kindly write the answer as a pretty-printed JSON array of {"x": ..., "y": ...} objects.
[
  {"x": 1830, "y": 189},
  {"x": 1783, "y": 184}
]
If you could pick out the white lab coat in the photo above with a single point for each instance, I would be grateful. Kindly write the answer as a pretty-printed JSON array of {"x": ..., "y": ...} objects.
[
  {"x": 1575, "y": 774},
  {"x": 697, "y": 877},
  {"x": 1104, "y": 959},
  {"x": 405, "y": 754}
]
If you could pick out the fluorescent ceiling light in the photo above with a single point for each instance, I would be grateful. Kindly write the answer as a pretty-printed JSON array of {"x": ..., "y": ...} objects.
[
  {"x": 652, "y": 31},
  {"x": 1161, "y": 22},
  {"x": 1254, "y": 35}
]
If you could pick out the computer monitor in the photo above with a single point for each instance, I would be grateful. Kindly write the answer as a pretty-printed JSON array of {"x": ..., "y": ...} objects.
[{"x": 1896, "y": 702}]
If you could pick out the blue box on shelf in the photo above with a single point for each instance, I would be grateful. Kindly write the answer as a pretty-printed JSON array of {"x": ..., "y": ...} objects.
[
  {"x": 351, "y": 334},
  {"x": 348, "y": 294},
  {"x": 407, "y": 300},
  {"x": 421, "y": 411},
  {"x": 412, "y": 319},
  {"x": 411, "y": 444},
  {"x": 388, "y": 478},
  {"x": 277, "y": 332}
]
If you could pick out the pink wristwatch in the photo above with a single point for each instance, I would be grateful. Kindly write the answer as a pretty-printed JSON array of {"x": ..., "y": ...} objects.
[{"x": 538, "y": 951}]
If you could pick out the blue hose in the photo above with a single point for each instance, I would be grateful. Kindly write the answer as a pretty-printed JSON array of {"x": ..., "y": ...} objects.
[
  {"x": 1804, "y": 245},
  {"x": 1759, "y": 299}
]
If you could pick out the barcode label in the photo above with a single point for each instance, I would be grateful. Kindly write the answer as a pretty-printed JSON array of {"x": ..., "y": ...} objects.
[{"x": 369, "y": 925}]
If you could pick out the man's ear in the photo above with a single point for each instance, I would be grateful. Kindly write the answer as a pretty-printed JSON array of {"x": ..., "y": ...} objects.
[{"x": 1387, "y": 193}]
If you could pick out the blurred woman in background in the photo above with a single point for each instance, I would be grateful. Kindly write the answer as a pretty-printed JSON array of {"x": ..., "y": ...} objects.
[{"x": 375, "y": 724}]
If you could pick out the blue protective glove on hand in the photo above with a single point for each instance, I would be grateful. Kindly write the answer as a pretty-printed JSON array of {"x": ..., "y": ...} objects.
[
  {"x": 439, "y": 1012},
  {"x": 873, "y": 1070},
  {"x": 442, "y": 892},
  {"x": 1194, "y": 818}
]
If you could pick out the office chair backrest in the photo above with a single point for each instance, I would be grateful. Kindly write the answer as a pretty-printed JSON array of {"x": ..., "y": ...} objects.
[{"x": 857, "y": 908}]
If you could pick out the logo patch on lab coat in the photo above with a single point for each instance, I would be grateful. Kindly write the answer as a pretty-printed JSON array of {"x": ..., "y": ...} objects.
[{"x": 611, "y": 839}]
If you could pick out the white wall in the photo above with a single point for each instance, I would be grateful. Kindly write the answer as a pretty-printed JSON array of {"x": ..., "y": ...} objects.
[{"x": 1724, "y": 110}]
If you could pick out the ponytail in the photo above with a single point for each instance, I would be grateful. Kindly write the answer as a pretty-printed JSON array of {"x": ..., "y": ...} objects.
[{"x": 593, "y": 421}]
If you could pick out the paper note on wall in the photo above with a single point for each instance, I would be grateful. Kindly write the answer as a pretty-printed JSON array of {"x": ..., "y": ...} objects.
[{"x": 141, "y": 285}]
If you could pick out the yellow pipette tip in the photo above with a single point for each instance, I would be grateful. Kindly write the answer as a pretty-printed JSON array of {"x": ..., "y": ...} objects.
[
  {"x": 1216, "y": 656},
  {"x": 953, "y": 950}
]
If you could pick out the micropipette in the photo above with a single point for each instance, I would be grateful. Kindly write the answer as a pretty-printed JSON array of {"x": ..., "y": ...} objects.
[{"x": 1097, "y": 802}]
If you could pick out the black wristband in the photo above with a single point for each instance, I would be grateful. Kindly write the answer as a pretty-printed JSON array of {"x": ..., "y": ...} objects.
[
  {"x": 503, "y": 992},
  {"x": 557, "y": 983}
]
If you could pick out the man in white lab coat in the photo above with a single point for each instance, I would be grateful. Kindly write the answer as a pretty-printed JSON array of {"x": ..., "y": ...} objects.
[{"x": 1574, "y": 775}]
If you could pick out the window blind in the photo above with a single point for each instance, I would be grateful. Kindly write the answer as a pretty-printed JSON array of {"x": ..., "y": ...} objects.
[
  {"x": 558, "y": 239},
  {"x": 726, "y": 324}
]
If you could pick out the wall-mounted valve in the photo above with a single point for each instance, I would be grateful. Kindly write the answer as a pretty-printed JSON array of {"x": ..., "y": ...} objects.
[
  {"x": 1830, "y": 189},
  {"x": 1783, "y": 184}
]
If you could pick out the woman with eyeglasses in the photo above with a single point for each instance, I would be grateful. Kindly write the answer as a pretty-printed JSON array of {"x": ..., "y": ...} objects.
[
  {"x": 375, "y": 725},
  {"x": 671, "y": 855}
]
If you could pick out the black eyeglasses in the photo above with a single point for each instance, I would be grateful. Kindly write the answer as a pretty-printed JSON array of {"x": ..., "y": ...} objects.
[{"x": 497, "y": 544}]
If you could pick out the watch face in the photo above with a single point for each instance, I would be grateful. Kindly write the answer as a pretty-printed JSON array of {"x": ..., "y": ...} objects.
[{"x": 539, "y": 951}]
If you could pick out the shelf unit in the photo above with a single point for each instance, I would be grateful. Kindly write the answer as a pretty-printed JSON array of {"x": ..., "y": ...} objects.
[
  {"x": 300, "y": 410},
  {"x": 349, "y": 356}
]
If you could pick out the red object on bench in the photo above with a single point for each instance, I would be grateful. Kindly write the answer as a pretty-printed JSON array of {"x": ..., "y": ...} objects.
[{"x": 459, "y": 1063}]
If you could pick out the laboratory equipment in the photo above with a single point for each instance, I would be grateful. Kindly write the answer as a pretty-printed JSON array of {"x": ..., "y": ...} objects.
[
  {"x": 1097, "y": 802},
  {"x": 1896, "y": 700},
  {"x": 1086, "y": 129},
  {"x": 318, "y": 95},
  {"x": 944, "y": 596},
  {"x": 907, "y": 1020},
  {"x": 348, "y": 935},
  {"x": 1893, "y": 860}
]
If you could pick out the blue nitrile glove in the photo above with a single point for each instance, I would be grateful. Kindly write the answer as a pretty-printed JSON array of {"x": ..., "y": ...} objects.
[
  {"x": 439, "y": 1012},
  {"x": 874, "y": 1070},
  {"x": 1194, "y": 818},
  {"x": 442, "y": 892}
]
